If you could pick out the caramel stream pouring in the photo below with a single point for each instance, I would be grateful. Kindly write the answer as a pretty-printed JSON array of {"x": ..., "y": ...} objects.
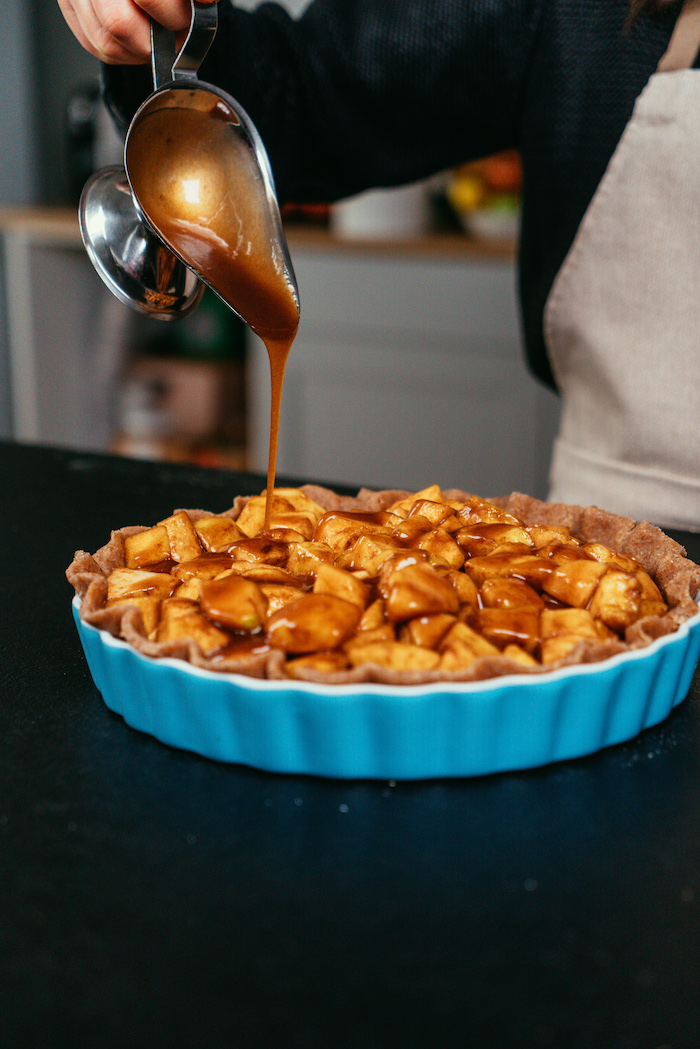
[
  {"x": 201, "y": 182},
  {"x": 210, "y": 202},
  {"x": 199, "y": 173}
]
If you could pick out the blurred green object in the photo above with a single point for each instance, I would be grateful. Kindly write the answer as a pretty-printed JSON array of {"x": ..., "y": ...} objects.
[{"x": 212, "y": 332}]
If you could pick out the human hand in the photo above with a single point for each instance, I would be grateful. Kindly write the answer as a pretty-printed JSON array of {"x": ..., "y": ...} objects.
[{"x": 119, "y": 31}]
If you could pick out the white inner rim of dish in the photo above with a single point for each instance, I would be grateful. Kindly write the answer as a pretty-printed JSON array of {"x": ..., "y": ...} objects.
[{"x": 357, "y": 688}]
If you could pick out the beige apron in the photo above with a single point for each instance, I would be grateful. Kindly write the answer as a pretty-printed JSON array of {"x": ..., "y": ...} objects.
[{"x": 622, "y": 322}]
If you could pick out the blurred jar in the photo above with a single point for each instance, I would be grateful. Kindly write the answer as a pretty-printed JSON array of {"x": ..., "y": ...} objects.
[{"x": 403, "y": 212}]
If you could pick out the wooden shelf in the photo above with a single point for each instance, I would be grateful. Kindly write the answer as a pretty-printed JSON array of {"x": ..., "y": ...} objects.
[
  {"x": 440, "y": 243},
  {"x": 42, "y": 225},
  {"x": 60, "y": 226}
]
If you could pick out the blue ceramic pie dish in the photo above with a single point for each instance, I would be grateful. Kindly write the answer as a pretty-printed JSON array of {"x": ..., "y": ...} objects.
[{"x": 391, "y": 732}]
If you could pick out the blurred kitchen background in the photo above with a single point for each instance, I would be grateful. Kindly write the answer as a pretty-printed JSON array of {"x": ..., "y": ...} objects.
[{"x": 408, "y": 367}]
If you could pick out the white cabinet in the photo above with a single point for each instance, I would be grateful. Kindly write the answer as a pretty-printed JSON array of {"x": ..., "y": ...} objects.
[
  {"x": 66, "y": 335},
  {"x": 407, "y": 370}
]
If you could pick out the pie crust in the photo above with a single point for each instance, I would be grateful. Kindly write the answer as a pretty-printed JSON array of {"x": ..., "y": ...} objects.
[{"x": 677, "y": 578}]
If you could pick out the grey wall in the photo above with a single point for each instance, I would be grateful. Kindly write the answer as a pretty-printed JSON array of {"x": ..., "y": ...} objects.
[
  {"x": 60, "y": 65},
  {"x": 18, "y": 169},
  {"x": 18, "y": 182},
  {"x": 40, "y": 64}
]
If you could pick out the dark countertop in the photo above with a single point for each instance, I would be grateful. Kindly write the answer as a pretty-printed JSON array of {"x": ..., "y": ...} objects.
[{"x": 149, "y": 897}]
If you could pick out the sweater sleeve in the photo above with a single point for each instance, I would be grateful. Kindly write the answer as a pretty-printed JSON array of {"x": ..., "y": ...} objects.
[{"x": 362, "y": 93}]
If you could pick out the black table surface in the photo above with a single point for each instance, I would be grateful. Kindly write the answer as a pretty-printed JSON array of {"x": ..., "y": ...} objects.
[{"x": 150, "y": 897}]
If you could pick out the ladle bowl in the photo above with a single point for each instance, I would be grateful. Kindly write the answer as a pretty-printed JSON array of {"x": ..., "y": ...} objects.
[
  {"x": 201, "y": 178},
  {"x": 126, "y": 252}
]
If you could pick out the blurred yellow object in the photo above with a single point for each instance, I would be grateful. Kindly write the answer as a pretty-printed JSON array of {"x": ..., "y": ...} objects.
[
  {"x": 493, "y": 181},
  {"x": 465, "y": 192},
  {"x": 485, "y": 195}
]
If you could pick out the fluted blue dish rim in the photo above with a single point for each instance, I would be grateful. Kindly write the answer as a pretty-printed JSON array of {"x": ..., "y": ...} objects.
[{"x": 378, "y": 731}]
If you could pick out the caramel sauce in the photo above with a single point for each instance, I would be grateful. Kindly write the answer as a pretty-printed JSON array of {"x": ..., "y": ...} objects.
[
  {"x": 206, "y": 176},
  {"x": 363, "y": 518},
  {"x": 505, "y": 626},
  {"x": 243, "y": 647},
  {"x": 210, "y": 564},
  {"x": 259, "y": 549},
  {"x": 246, "y": 603}
]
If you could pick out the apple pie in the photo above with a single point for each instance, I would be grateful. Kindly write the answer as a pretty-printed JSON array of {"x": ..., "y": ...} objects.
[{"x": 391, "y": 586}]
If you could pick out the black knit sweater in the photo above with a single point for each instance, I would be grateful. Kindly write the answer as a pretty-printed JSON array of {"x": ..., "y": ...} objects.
[{"x": 364, "y": 93}]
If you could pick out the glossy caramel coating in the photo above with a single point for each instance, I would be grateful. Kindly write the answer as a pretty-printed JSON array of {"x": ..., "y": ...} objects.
[{"x": 426, "y": 585}]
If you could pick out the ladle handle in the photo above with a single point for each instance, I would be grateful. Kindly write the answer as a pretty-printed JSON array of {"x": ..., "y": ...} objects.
[
  {"x": 205, "y": 19},
  {"x": 162, "y": 54},
  {"x": 166, "y": 65}
]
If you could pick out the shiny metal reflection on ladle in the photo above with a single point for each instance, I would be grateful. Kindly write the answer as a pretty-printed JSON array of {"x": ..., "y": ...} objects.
[
  {"x": 129, "y": 257},
  {"x": 126, "y": 252}
]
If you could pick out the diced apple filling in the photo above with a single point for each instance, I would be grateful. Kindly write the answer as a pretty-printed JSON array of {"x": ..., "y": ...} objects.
[{"x": 429, "y": 584}]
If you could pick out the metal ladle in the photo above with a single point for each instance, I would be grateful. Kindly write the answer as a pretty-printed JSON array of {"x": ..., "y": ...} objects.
[
  {"x": 127, "y": 254},
  {"x": 201, "y": 178},
  {"x": 155, "y": 250}
]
